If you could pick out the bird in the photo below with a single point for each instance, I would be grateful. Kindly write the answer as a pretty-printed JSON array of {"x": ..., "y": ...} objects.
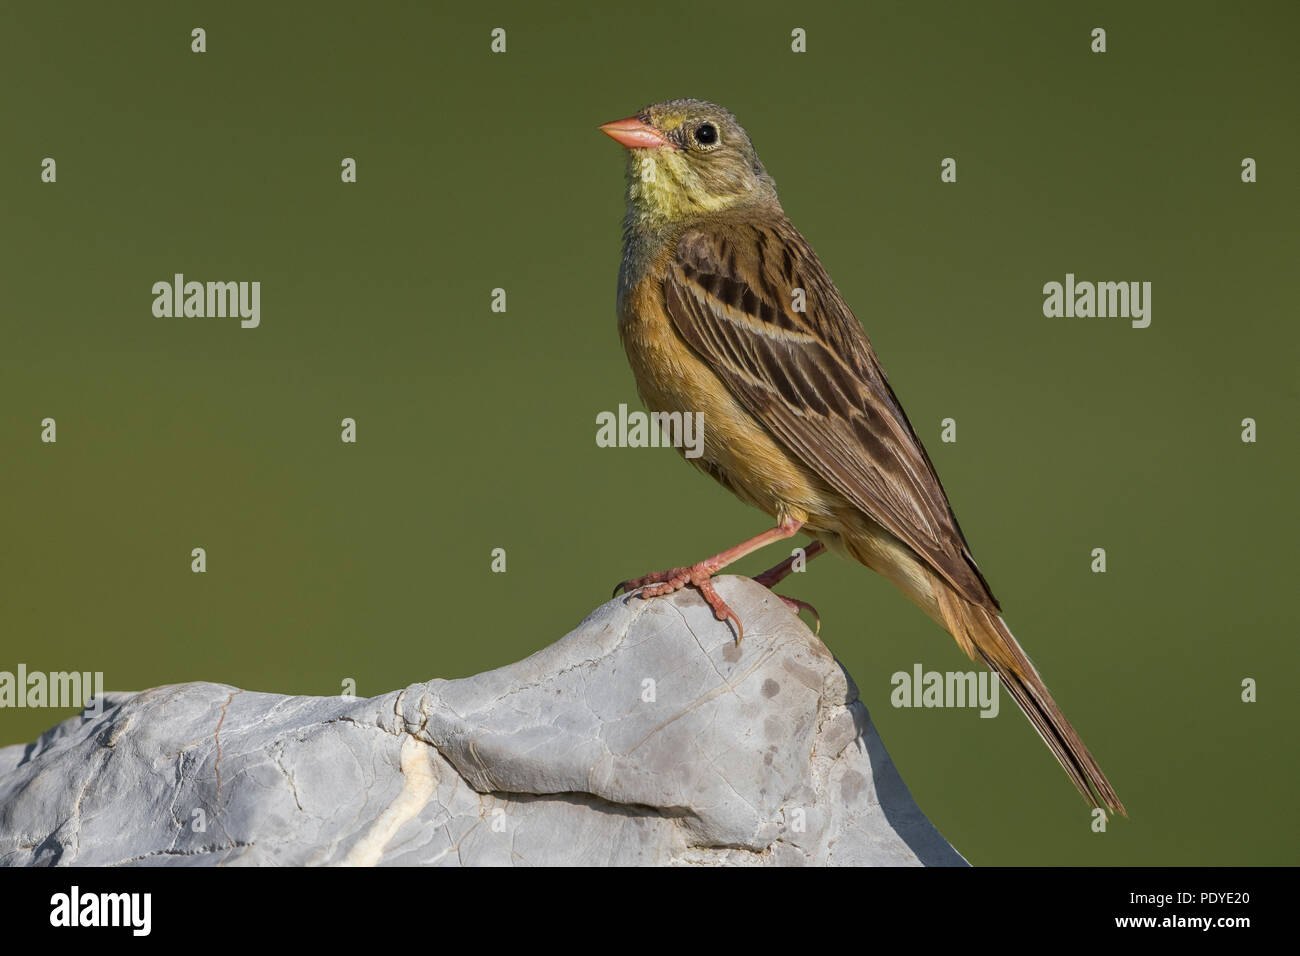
[{"x": 724, "y": 309}]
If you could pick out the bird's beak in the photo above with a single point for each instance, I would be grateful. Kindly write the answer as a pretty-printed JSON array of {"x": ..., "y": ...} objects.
[{"x": 634, "y": 134}]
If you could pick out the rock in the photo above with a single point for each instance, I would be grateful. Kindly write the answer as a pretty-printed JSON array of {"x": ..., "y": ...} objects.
[{"x": 644, "y": 736}]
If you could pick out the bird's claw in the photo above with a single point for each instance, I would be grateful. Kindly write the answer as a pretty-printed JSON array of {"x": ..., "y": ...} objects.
[
  {"x": 795, "y": 605},
  {"x": 659, "y": 577},
  {"x": 699, "y": 576}
]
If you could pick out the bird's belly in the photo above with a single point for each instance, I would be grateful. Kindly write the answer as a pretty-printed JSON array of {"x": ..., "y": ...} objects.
[{"x": 738, "y": 450}]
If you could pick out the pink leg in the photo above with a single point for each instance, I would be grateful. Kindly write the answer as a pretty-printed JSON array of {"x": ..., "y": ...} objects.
[
  {"x": 795, "y": 605},
  {"x": 774, "y": 576},
  {"x": 674, "y": 579}
]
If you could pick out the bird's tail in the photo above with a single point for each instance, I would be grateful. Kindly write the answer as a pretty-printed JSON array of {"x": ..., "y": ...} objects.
[{"x": 981, "y": 633}]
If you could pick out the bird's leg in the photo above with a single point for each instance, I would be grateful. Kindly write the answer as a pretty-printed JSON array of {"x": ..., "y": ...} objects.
[
  {"x": 674, "y": 579},
  {"x": 774, "y": 576}
]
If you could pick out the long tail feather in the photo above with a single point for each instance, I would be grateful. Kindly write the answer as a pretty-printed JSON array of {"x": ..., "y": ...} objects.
[{"x": 981, "y": 633}]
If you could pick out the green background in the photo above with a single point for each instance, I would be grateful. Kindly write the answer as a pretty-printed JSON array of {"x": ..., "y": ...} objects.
[{"x": 476, "y": 430}]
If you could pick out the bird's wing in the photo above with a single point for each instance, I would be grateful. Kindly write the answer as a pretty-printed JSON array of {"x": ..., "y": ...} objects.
[{"x": 812, "y": 378}]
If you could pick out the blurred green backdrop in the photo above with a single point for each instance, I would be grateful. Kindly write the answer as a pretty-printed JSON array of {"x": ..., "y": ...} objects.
[{"x": 476, "y": 430}]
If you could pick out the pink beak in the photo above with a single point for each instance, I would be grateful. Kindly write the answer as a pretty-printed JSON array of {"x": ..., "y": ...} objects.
[{"x": 634, "y": 134}]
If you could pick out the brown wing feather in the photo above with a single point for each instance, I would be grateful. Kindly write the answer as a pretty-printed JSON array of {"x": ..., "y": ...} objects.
[{"x": 813, "y": 380}]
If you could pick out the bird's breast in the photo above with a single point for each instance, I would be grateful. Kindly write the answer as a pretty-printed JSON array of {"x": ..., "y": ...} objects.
[{"x": 738, "y": 450}]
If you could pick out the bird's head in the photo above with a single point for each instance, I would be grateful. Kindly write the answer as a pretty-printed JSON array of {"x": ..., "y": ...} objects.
[{"x": 688, "y": 159}]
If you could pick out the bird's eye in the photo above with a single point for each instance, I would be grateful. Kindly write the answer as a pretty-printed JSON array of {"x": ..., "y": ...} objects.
[{"x": 706, "y": 134}]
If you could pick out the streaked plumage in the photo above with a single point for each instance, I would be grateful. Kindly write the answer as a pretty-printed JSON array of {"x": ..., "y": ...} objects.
[{"x": 800, "y": 420}]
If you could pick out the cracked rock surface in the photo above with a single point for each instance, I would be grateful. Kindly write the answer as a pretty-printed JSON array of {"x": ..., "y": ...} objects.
[{"x": 644, "y": 736}]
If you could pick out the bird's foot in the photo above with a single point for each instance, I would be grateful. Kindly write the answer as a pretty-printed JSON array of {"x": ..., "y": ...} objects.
[
  {"x": 795, "y": 605},
  {"x": 699, "y": 576},
  {"x": 775, "y": 575}
]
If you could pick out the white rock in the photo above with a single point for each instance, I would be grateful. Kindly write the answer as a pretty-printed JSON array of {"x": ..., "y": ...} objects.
[{"x": 645, "y": 736}]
